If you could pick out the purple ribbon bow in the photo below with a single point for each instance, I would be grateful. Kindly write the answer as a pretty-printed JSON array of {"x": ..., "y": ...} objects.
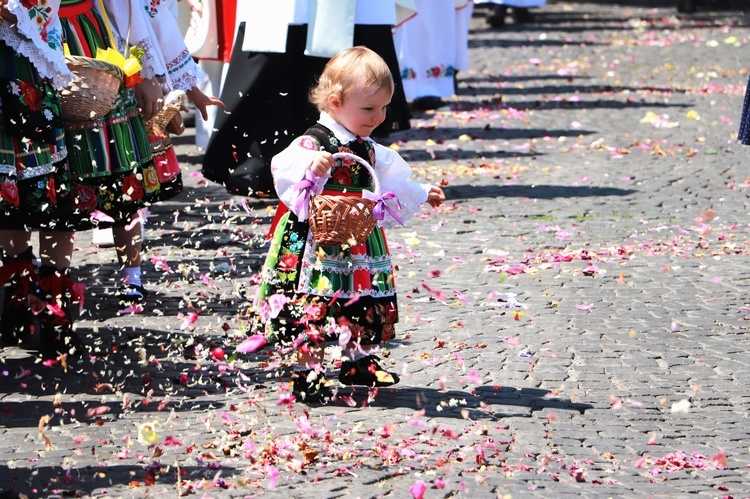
[
  {"x": 305, "y": 188},
  {"x": 381, "y": 208}
]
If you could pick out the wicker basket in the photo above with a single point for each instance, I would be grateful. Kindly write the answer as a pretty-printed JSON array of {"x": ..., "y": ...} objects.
[
  {"x": 93, "y": 91},
  {"x": 158, "y": 124},
  {"x": 343, "y": 220}
]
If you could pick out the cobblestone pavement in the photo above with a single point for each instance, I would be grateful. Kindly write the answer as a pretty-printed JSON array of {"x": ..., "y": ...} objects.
[{"x": 573, "y": 320}]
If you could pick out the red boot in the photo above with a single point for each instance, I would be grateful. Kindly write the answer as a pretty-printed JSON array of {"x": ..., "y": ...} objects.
[
  {"x": 18, "y": 277},
  {"x": 56, "y": 321}
]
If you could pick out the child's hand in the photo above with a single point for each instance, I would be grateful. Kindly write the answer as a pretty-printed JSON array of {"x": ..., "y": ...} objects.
[
  {"x": 435, "y": 197},
  {"x": 202, "y": 101},
  {"x": 322, "y": 163},
  {"x": 150, "y": 98}
]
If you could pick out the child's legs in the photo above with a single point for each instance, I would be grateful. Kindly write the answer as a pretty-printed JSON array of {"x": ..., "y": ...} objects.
[
  {"x": 128, "y": 245},
  {"x": 14, "y": 242},
  {"x": 56, "y": 249},
  {"x": 310, "y": 357}
]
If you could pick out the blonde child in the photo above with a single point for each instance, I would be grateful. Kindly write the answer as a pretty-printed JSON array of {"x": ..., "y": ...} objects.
[{"x": 309, "y": 293}]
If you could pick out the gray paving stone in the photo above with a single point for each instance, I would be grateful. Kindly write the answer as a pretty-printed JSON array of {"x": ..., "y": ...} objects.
[{"x": 667, "y": 316}]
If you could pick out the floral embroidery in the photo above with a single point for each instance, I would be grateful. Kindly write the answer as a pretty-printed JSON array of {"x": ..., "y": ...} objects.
[
  {"x": 9, "y": 192},
  {"x": 31, "y": 96},
  {"x": 408, "y": 74},
  {"x": 51, "y": 192},
  {"x": 342, "y": 176},
  {"x": 37, "y": 98},
  {"x": 153, "y": 8},
  {"x": 309, "y": 143},
  {"x": 132, "y": 188},
  {"x": 84, "y": 197},
  {"x": 288, "y": 262},
  {"x": 151, "y": 180},
  {"x": 40, "y": 13},
  {"x": 441, "y": 71}
]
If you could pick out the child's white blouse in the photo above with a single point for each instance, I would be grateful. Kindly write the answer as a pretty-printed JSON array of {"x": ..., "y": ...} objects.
[{"x": 392, "y": 171}]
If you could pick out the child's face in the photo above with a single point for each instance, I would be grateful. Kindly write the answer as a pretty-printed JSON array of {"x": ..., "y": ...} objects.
[{"x": 362, "y": 111}]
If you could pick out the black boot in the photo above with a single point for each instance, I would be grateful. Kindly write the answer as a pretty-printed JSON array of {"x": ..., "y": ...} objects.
[
  {"x": 18, "y": 277},
  {"x": 56, "y": 321},
  {"x": 496, "y": 17},
  {"x": 311, "y": 387}
]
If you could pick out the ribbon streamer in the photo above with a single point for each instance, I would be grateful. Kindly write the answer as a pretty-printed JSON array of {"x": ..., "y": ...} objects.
[
  {"x": 305, "y": 188},
  {"x": 381, "y": 207}
]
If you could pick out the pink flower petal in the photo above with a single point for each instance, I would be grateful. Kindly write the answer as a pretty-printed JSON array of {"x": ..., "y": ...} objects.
[
  {"x": 418, "y": 489},
  {"x": 253, "y": 343}
]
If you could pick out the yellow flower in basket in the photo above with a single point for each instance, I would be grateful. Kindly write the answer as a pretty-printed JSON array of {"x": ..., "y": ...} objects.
[{"x": 129, "y": 66}]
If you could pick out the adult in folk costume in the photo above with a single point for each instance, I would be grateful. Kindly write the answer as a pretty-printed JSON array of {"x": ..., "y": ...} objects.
[
  {"x": 280, "y": 49},
  {"x": 36, "y": 193},
  {"x": 111, "y": 156},
  {"x": 209, "y": 36},
  {"x": 520, "y": 10},
  {"x": 432, "y": 47}
]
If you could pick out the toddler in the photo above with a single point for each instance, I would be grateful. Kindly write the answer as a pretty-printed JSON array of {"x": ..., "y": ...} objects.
[{"x": 312, "y": 293}]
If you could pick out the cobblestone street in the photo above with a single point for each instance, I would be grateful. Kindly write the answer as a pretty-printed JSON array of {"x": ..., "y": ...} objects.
[{"x": 572, "y": 319}]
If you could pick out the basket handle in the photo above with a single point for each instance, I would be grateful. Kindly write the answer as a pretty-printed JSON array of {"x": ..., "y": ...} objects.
[
  {"x": 380, "y": 208},
  {"x": 363, "y": 162},
  {"x": 307, "y": 185}
]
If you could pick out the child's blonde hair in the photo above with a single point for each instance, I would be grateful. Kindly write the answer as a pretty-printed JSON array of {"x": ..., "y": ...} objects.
[{"x": 357, "y": 67}]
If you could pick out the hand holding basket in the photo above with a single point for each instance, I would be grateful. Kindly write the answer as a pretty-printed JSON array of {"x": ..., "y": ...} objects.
[{"x": 340, "y": 220}]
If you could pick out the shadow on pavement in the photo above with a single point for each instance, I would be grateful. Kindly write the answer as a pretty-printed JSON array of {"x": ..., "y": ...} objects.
[
  {"x": 95, "y": 480},
  {"x": 488, "y": 133},
  {"x": 147, "y": 364},
  {"x": 539, "y": 191},
  {"x": 480, "y": 403}
]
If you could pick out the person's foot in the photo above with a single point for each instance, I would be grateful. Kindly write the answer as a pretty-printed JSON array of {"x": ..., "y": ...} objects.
[
  {"x": 132, "y": 299},
  {"x": 366, "y": 372},
  {"x": 53, "y": 300},
  {"x": 496, "y": 17},
  {"x": 311, "y": 387},
  {"x": 427, "y": 103},
  {"x": 18, "y": 277},
  {"x": 521, "y": 15}
]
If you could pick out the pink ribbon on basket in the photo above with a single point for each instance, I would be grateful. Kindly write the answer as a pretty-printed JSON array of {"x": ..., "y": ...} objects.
[
  {"x": 381, "y": 208},
  {"x": 305, "y": 188}
]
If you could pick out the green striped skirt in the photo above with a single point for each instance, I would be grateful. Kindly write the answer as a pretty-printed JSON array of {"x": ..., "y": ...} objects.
[
  {"x": 35, "y": 187},
  {"x": 307, "y": 290}
]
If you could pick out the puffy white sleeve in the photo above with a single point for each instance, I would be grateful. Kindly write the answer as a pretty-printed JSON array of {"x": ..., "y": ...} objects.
[
  {"x": 184, "y": 73},
  {"x": 393, "y": 173},
  {"x": 130, "y": 24},
  {"x": 289, "y": 167}
]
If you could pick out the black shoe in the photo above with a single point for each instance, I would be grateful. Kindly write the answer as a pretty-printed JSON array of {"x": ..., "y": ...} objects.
[
  {"x": 251, "y": 178},
  {"x": 19, "y": 279},
  {"x": 427, "y": 103},
  {"x": 311, "y": 387},
  {"x": 496, "y": 18},
  {"x": 521, "y": 15},
  {"x": 366, "y": 372}
]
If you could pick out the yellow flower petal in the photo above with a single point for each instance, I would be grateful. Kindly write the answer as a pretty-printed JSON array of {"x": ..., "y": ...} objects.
[
  {"x": 131, "y": 66},
  {"x": 147, "y": 433},
  {"x": 384, "y": 377}
]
